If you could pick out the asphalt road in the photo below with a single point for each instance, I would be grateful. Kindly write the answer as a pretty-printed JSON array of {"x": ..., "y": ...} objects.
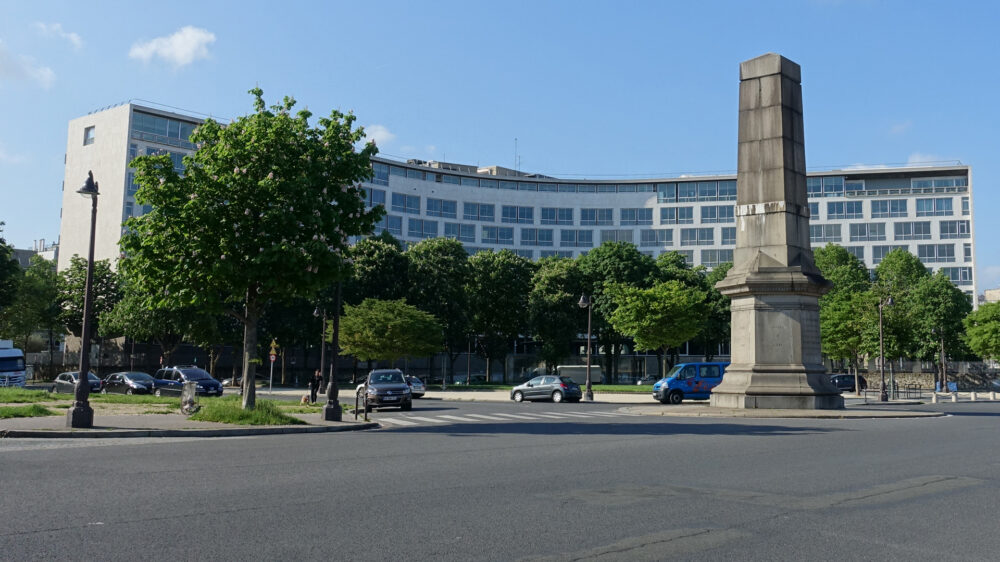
[{"x": 597, "y": 485}]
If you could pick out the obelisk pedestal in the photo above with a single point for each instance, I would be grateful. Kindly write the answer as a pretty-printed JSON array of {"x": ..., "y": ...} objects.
[{"x": 774, "y": 283}]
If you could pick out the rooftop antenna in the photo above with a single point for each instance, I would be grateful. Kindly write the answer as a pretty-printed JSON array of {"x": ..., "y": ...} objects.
[{"x": 515, "y": 154}]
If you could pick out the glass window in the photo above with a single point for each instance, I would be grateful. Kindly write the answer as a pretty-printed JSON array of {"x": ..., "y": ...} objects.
[
  {"x": 586, "y": 188},
  {"x": 508, "y": 184},
  {"x": 708, "y": 191},
  {"x": 568, "y": 187},
  {"x": 912, "y": 231},
  {"x": 414, "y": 174},
  {"x": 879, "y": 252},
  {"x": 607, "y": 188},
  {"x": 556, "y": 253},
  {"x": 402, "y": 203},
  {"x": 666, "y": 192},
  {"x": 854, "y": 185},
  {"x": 728, "y": 236},
  {"x": 954, "y": 229},
  {"x": 935, "y": 253},
  {"x": 576, "y": 238},
  {"x": 697, "y": 236},
  {"x": 636, "y": 217},
  {"x": 616, "y": 236},
  {"x": 727, "y": 190},
  {"x": 718, "y": 214},
  {"x": 824, "y": 233},
  {"x": 833, "y": 186},
  {"x": 967, "y": 252},
  {"x": 856, "y": 251},
  {"x": 527, "y": 186},
  {"x": 460, "y": 232},
  {"x": 596, "y": 217},
  {"x": 814, "y": 210},
  {"x": 965, "y": 206},
  {"x": 394, "y": 225},
  {"x": 939, "y": 207},
  {"x": 517, "y": 215},
  {"x": 835, "y": 211},
  {"x": 656, "y": 237},
  {"x": 553, "y": 215},
  {"x": 888, "y": 208},
  {"x": 714, "y": 258},
  {"x": 491, "y": 235},
  {"x": 687, "y": 191},
  {"x": 526, "y": 254},
  {"x": 442, "y": 208},
  {"x": 455, "y": 180},
  {"x": 852, "y": 210},
  {"x": 478, "y": 212},
  {"x": 646, "y": 187},
  {"x": 547, "y": 187},
  {"x": 422, "y": 228},
  {"x": 959, "y": 275},
  {"x": 380, "y": 173},
  {"x": 814, "y": 187},
  {"x": 866, "y": 232}
]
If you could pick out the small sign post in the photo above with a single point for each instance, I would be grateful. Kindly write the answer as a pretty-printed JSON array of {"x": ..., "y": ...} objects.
[{"x": 273, "y": 356}]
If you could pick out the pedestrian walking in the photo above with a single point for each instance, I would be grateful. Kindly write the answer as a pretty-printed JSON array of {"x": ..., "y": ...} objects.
[{"x": 314, "y": 383}]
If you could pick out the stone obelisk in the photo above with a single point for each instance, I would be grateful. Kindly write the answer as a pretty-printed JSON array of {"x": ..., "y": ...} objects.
[{"x": 774, "y": 283}]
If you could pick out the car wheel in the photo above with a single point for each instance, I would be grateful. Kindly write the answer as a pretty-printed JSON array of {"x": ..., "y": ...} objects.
[
  {"x": 518, "y": 396},
  {"x": 129, "y": 392},
  {"x": 104, "y": 391},
  {"x": 557, "y": 396},
  {"x": 158, "y": 393},
  {"x": 676, "y": 397}
]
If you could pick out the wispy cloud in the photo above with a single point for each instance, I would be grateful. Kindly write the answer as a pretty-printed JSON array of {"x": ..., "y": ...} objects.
[
  {"x": 865, "y": 167},
  {"x": 989, "y": 277},
  {"x": 922, "y": 159},
  {"x": 900, "y": 128},
  {"x": 56, "y": 30},
  {"x": 379, "y": 133},
  {"x": 181, "y": 48},
  {"x": 22, "y": 67},
  {"x": 8, "y": 158}
]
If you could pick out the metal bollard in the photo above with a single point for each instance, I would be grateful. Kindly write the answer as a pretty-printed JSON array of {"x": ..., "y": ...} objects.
[
  {"x": 934, "y": 398},
  {"x": 972, "y": 396},
  {"x": 954, "y": 397},
  {"x": 993, "y": 395}
]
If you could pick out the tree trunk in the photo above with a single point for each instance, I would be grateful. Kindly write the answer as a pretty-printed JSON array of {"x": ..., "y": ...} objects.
[
  {"x": 250, "y": 356},
  {"x": 284, "y": 381}
]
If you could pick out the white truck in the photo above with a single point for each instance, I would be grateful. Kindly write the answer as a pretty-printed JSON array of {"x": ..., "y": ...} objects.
[{"x": 11, "y": 364}]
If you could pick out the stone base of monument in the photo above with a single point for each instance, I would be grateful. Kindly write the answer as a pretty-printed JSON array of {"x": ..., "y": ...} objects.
[
  {"x": 333, "y": 412},
  {"x": 756, "y": 389}
]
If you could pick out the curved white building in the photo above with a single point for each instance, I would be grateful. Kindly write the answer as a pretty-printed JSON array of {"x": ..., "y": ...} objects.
[{"x": 926, "y": 210}]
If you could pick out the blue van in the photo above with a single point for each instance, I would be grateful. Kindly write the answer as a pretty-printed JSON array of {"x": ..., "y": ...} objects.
[{"x": 689, "y": 380}]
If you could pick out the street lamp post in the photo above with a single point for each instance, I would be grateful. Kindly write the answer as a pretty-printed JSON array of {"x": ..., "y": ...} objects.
[
  {"x": 883, "y": 396},
  {"x": 586, "y": 303},
  {"x": 332, "y": 410},
  {"x": 81, "y": 415},
  {"x": 322, "y": 342}
]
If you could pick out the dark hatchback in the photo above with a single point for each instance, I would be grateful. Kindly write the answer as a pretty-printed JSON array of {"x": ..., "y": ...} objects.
[
  {"x": 65, "y": 383},
  {"x": 170, "y": 381},
  {"x": 387, "y": 388},
  {"x": 547, "y": 387},
  {"x": 128, "y": 382},
  {"x": 846, "y": 382}
]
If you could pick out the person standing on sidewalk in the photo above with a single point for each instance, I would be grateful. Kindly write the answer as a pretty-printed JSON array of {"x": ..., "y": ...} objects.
[{"x": 314, "y": 383}]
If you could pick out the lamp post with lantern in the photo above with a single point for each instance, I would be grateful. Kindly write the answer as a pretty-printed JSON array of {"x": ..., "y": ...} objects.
[
  {"x": 80, "y": 414},
  {"x": 883, "y": 396},
  {"x": 585, "y": 302}
]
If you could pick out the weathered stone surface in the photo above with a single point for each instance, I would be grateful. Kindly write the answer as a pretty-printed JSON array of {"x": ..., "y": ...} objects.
[{"x": 774, "y": 284}]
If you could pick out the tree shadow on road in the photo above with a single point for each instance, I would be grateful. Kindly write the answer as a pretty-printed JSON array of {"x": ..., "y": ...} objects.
[{"x": 598, "y": 428}]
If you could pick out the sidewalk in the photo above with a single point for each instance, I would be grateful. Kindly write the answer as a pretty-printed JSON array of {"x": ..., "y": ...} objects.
[{"x": 165, "y": 425}]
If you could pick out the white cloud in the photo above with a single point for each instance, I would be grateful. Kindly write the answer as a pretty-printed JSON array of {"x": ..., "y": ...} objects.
[
  {"x": 56, "y": 30},
  {"x": 379, "y": 133},
  {"x": 430, "y": 149},
  {"x": 8, "y": 158},
  {"x": 22, "y": 67},
  {"x": 989, "y": 277},
  {"x": 921, "y": 159},
  {"x": 181, "y": 48},
  {"x": 900, "y": 128}
]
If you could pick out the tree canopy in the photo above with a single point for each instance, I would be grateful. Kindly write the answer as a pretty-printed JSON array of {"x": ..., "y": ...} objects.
[{"x": 382, "y": 329}]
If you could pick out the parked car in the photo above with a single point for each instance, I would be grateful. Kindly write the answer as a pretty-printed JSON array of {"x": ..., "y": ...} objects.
[
  {"x": 846, "y": 382},
  {"x": 170, "y": 381},
  {"x": 689, "y": 380},
  {"x": 417, "y": 387},
  {"x": 548, "y": 387},
  {"x": 386, "y": 388},
  {"x": 128, "y": 382},
  {"x": 65, "y": 383}
]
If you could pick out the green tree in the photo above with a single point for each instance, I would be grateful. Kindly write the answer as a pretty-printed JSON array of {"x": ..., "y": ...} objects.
[
  {"x": 439, "y": 275},
  {"x": 842, "y": 312},
  {"x": 554, "y": 315},
  {"x": 664, "y": 315},
  {"x": 613, "y": 263},
  {"x": 10, "y": 272},
  {"x": 715, "y": 327},
  {"x": 940, "y": 307},
  {"x": 896, "y": 277},
  {"x": 379, "y": 271},
  {"x": 131, "y": 317},
  {"x": 35, "y": 304},
  {"x": 379, "y": 329},
  {"x": 105, "y": 293},
  {"x": 982, "y": 330},
  {"x": 498, "y": 298},
  {"x": 262, "y": 213}
]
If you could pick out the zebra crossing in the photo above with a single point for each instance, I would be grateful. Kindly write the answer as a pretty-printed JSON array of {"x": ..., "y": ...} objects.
[{"x": 395, "y": 419}]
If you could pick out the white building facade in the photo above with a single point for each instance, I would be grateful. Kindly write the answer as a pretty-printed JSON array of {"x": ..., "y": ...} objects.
[{"x": 925, "y": 210}]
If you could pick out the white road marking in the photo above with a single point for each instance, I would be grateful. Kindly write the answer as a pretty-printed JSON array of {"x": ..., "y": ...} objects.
[
  {"x": 518, "y": 416},
  {"x": 433, "y": 420},
  {"x": 493, "y": 418},
  {"x": 397, "y": 421},
  {"x": 458, "y": 418}
]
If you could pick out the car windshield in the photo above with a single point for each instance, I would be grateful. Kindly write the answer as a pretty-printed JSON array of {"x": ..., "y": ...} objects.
[
  {"x": 139, "y": 377},
  {"x": 11, "y": 363},
  {"x": 567, "y": 380},
  {"x": 386, "y": 378},
  {"x": 196, "y": 375},
  {"x": 672, "y": 372}
]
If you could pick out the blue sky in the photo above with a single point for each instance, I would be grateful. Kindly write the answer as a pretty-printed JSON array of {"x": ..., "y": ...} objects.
[{"x": 592, "y": 89}]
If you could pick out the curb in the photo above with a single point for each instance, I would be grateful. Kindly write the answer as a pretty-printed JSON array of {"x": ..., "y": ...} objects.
[{"x": 223, "y": 432}]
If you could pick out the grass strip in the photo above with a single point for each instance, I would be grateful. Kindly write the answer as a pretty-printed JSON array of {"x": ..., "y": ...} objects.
[
  {"x": 32, "y": 411},
  {"x": 16, "y": 395},
  {"x": 131, "y": 399},
  {"x": 230, "y": 410}
]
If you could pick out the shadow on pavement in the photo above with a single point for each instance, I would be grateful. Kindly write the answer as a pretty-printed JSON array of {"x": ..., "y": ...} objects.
[{"x": 667, "y": 428}]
